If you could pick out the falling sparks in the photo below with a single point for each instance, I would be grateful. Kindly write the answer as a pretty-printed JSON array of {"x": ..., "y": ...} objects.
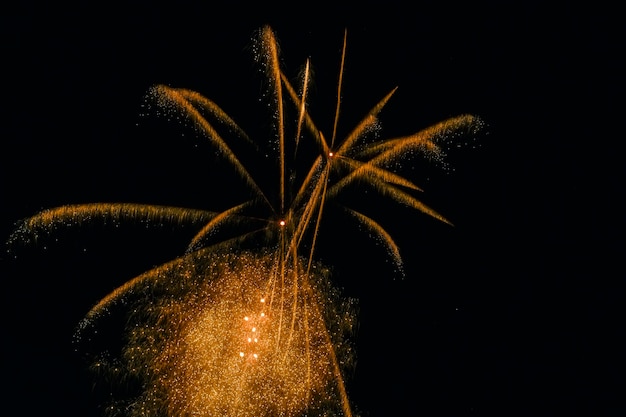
[{"x": 218, "y": 341}]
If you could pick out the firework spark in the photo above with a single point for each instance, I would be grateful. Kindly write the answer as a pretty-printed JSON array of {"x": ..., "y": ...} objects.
[
  {"x": 212, "y": 334},
  {"x": 246, "y": 323}
]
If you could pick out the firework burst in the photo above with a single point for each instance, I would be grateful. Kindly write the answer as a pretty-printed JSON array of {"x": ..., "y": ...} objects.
[{"x": 245, "y": 322}]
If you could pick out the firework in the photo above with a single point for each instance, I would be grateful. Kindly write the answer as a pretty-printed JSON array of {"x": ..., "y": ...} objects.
[{"x": 245, "y": 322}]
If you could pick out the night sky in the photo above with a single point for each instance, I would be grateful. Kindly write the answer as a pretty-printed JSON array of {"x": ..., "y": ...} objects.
[{"x": 517, "y": 310}]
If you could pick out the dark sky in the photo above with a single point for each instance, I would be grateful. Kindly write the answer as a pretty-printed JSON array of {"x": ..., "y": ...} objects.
[{"x": 516, "y": 311}]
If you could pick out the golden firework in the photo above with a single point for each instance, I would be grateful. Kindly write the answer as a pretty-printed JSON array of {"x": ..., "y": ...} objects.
[{"x": 245, "y": 322}]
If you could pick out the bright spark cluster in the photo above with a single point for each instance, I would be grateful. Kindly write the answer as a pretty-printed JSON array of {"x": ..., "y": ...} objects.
[{"x": 239, "y": 339}]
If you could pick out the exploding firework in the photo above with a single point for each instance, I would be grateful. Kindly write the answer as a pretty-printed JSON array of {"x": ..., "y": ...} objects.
[{"x": 246, "y": 322}]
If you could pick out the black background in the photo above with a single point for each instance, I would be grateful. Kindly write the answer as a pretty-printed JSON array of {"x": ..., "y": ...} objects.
[{"x": 516, "y": 311}]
